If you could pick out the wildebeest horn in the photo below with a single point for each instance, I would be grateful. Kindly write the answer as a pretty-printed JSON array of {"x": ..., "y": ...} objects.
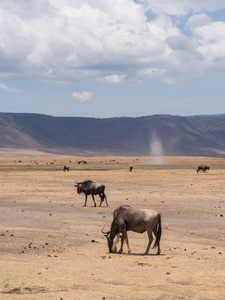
[{"x": 105, "y": 232}]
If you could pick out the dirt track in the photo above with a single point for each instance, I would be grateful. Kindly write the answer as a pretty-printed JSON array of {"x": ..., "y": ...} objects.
[{"x": 52, "y": 247}]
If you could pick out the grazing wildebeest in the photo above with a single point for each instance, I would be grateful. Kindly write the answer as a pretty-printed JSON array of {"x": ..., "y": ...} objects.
[
  {"x": 88, "y": 187},
  {"x": 202, "y": 168},
  {"x": 66, "y": 168},
  {"x": 126, "y": 218}
]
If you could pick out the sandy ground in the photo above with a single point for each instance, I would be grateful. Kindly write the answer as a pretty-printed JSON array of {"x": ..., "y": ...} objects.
[{"x": 51, "y": 247}]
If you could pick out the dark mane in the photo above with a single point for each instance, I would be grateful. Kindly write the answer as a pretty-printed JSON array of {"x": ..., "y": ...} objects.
[
  {"x": 116, "y": 219},
  {"x": 114, "y": 228}
]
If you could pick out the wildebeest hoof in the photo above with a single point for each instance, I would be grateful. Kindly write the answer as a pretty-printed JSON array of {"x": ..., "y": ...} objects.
[{"x": 129, "y": 251}]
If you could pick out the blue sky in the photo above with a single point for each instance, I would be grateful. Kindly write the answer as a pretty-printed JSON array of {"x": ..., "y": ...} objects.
[{"x": 112, "y": 58}]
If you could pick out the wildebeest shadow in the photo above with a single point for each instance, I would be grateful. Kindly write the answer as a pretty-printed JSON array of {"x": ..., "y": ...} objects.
[{"x": 141, "y": 254}]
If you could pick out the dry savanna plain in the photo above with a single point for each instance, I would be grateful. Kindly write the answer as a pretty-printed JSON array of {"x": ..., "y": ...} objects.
[{"x": 51, "y": 247}]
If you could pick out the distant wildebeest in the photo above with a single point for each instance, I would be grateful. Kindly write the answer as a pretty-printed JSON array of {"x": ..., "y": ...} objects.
[
  {"x": 66, "y": 168},
  {"x": 202, "y": 168},
  {"x": 82, "y": 161},
  {"x": 131, "y": 168},
  {"x": 126, "y": 218},
  {"x": 88, "y": 187}
]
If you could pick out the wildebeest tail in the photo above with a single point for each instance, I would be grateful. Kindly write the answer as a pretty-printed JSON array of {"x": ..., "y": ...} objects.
[{"x": 159, "y": 232}]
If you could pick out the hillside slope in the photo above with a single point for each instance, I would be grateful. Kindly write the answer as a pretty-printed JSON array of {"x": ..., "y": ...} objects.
[{"x": 170, "y": 135}]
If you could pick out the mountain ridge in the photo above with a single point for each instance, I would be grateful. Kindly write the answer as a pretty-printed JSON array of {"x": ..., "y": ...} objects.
[{"x": 120, "y": 136}]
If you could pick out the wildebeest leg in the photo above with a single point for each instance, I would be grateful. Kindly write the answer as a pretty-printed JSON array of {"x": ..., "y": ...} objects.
[
  {"x": 105, "y": 199},
  {"x": 93, "y": 200},
  {"x": 122, "y": 241},
  {"x": 103, "y": 196},
  {"x": 125, "y": 237},
  {"x": 150, "y": 239},
  {"x": 85, "y": 203},
  {"x": 102, "y": 199}
]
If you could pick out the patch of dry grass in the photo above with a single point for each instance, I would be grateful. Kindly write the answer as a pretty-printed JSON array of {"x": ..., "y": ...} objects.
[{"x": 52, "y": 246}]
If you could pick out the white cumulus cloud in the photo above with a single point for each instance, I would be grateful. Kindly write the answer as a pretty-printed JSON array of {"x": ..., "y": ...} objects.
[
  {"x": 110, "y": 41},
  {"x": 114, "y": 78},
  {"x": 8, "y": 89},
  {"x": 211, "y": 45},
  {"x": 82, "y": 97},
  {"x": 198, "y": 21}
]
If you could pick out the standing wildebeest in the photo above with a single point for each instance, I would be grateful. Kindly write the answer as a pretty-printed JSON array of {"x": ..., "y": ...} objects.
[
  {"x": 138, "y": 220},
  {"x": 131, "y": 168},
  {"x": 202, "y": 168},
  {"x": 88, "y": 187},
  {"x": 66, "y": 168}
]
